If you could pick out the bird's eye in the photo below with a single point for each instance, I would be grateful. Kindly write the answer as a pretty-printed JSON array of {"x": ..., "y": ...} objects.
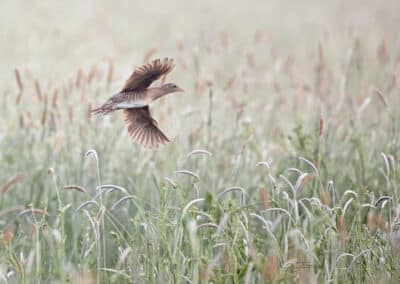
[{"x": 173, "y": 86}]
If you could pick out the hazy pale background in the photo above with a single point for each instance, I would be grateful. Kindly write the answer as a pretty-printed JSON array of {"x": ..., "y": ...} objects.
[{"x": 50, "y": 37}]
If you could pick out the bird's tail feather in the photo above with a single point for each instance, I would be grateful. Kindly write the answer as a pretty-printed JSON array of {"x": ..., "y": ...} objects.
[{"x": 104, "y": 109}]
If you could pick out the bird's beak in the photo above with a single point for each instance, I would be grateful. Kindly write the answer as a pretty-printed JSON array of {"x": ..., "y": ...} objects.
[{"x": 178, "y": 89}]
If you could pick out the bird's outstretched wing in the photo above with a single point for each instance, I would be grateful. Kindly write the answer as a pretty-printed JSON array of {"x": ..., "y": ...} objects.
[
  {"x": 144, "y": 75},
  {"x": 143, "y": 128}
]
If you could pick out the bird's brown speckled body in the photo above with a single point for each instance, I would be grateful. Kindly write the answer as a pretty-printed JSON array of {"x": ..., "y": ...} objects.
[{"x": 135, "y": 98}]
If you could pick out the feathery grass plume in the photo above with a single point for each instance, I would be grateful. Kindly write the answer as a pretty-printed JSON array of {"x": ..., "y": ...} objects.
[
  {"x": 19, "y": 81},
  {"x": 12, "y": 182},
  {"x": 75, "y": 187},
  {"x": 206, "y": 273},
  {"x": 325, "y": 197},
  {"x": 171, "y": 182},
  {"x": 84, "y": 277},
  {"x": 52, "y": 121},
  {"x": 44, "y": 117},
  {"x": 232, "y": 189},
  {"x": 110, "y": 74},
  {"x": 198, "y": 152},
  {"x": 123, "y": 199},
  {"x": 33, "y": 211},
  {"x": 106, "y": 188},
  {"x": 207, "y": 225},
  {"x": 21, "y": 121},
  {"x": 321, "y": 125},
  {"x": 341, "y": 227},
  {"x": 89, "y": 113},
  {"x": 303, "y": 181},
  {"x": 55, "y": 98},
  {"x": 383, "y": 52},
  {"x": 264, "y": 195},
  {"x": 92, "y": 73},
  {"x": 38, "y": 90},
  {"x": 83, "y": 205},
  {"x": 30, "y": 118},
  {"x": 375, "y": 221},
  {"x": 308, "y": 162},
  {"x": 294, "y": 170},
  {"x": 271, "y": 270},
  {"x": 189, "y": 204},
  {"x": 11, "y": 210},
  {"x": 230, "y": 82},
  {"x": 387, "y": 164},
  {"x": 197, "y": 87},
  {"x": 228, "y": 261},
  {"x": 8, "y": 236},
  {"x": 80, "y": 77},
  {"x": 189, "y": 173},
  {"x": 20, "y": 86},
  {"x": 71, "y": 113},
  {"x": 371, "y": 222},
  {"x": 65, "y": 91},
  {"x": 380, "y": 95}
]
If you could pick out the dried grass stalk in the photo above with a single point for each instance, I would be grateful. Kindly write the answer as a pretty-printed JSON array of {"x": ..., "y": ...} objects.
[
  {"x": 229, "y": 83},
  {"x": 11, "y": 183},
  {"x": 92, "y": 74},
  {"x": 21, "y": 121},
  {"x": 375, "y": 221},
  {"x": 321, "y": 125},
  {"x": 8, "y": 236},
  {"x": 75, "y": 187},
  {"x": 55, "y": 99},
  {"x": 110, "y": 74},
  {"x": 270, "y": 271},
  {"x": 383, "y": 52},
  {"x": 79, "y": 78},
  {"x": 325, "y": 197},
  {"x": 44, "y": 117},
  {"x": 341, "y": 226},
  {"x": 38, "y": 90},
  {"x": 264, "y": 195},
  {"x": 19, "y": 81}
]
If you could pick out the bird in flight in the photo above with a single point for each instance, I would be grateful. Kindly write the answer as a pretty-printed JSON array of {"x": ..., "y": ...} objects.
[{"x": 136, "y": 96}]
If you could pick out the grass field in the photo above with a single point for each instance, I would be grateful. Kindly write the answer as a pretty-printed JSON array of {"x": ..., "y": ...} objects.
[{"x": 283, "y": 165}]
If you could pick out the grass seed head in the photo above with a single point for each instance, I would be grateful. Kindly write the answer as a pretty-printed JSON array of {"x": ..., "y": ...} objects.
[{"x": 270, "y": 271}]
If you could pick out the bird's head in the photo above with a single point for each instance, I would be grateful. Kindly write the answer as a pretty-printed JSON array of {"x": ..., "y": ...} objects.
[{"x": 171, "y": 88}]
